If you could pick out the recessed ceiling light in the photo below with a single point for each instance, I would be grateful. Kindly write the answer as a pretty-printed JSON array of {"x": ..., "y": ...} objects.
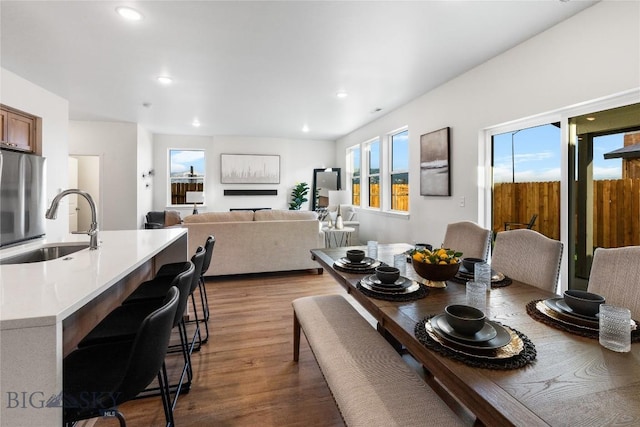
[
  {"x": 195, "y": 123},
  {"x": 305, "y": 128},
  {"x": 341, "y": 94},
  {"x": 164, "y": 80},
  {"x": 591, "y": 118},
  {"x": 129, "y": 13}
]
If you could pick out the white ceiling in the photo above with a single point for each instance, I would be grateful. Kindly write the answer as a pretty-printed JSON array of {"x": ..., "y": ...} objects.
[{"x": 258, "y": 68}]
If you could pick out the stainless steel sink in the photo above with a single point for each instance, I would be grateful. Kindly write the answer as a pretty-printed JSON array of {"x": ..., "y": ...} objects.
[{"x": 45, "y": 253}]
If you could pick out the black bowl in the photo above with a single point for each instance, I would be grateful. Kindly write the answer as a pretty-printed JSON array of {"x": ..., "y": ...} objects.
[
  {"x": 583, "y": 302},
  {"x": 387, "y": 274},
  {"x": 424, "y": 245},
  {"x": 470, "y": 263},
  {"x": 355, "y": 255},
  {"x": 464, "y": 319}
]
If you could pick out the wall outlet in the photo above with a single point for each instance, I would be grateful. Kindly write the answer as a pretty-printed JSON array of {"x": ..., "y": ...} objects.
[{"x": 461, "y": 202}]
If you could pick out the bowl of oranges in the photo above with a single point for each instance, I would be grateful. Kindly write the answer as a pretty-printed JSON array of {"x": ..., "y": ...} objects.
[{"x": 436, "y": 266}]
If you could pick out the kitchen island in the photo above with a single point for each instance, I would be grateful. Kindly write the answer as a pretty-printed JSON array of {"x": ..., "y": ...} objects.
[{"x": 47, "y": 307}]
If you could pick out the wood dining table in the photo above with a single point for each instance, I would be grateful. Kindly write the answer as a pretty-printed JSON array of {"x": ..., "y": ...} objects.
[{"x": 572, "y": 381}]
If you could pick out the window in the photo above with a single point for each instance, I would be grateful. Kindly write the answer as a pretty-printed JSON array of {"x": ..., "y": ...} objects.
[
  {"x": 353, "y": 160},
  {"x": 373, "y": 170},
  {"x": 186, "y": 174},
  {"x": 399, "y": 175},
  {"x": 378, "y": 172}
]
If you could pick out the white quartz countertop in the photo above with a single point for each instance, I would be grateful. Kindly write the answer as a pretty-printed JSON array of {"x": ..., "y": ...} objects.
[{"x": 43, "y": 293}]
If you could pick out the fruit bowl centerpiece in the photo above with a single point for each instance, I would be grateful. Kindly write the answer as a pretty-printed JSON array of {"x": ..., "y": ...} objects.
[{"x": 436, "y": 266}]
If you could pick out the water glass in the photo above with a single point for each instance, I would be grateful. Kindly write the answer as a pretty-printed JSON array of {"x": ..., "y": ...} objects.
[
  {"x": 400, "y": 262},
  {"x": 477, "y": 295},
  {"x": 615, "y": 328},
  {"x": 372, "y": 249},
  {"x": 482, "y": 274}
]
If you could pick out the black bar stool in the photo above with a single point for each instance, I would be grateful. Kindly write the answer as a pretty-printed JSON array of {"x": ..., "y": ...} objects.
[
  {"x": 98, "y": 378},
  {"x": 170, "y": 270},
  {"x": 121, "y": 324}
]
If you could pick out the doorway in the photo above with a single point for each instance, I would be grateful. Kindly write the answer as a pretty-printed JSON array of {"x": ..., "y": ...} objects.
[
  {"x": 526, "y": 166},
  {"x": 85, "y": 170},
  {"x": 605, "y": 199}
]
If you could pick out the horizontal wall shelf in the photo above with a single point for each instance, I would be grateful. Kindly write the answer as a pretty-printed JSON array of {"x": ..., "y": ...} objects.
[{"x": 250, "y": 192}]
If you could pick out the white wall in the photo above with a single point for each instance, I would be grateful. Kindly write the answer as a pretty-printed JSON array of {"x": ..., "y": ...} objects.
[
  {"x": 145, "y": 164},
  {"x": 89, "y": 181},
  {"x": 298, "y": 158},
  {"x": 591, "y": 55},
  {"x": 21, "y": 94},
  {"x": 116, "y": 144}
]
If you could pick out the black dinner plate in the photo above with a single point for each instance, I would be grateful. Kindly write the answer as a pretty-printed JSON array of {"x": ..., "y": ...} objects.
[
  {"x": 501, "y": 339},
  {"x": 365, "y": 264},
  {"x": 590, "y": 322},
  {"x": 404, "y": 285},
  {"x": 463, "y": 273},
  {"x": 487, "y": 332},
  {"x": 562, "y": 304}
]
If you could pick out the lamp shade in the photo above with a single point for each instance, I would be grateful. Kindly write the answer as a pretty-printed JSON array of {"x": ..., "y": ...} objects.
[
  {"x": 339, "y": 197},
  {"x": 195, "y": 197}
]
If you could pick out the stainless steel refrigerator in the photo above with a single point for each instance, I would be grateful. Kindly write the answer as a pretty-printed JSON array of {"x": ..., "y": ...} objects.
[{"x": 22, "y": 197}]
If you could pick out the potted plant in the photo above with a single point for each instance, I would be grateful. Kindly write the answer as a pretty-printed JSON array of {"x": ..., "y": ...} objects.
[{"x": 298, "y": 196}]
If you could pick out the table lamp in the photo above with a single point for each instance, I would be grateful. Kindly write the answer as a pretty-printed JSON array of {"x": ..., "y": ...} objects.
[
  {"x": 337, "y": 198},
  {"x": 195, "y": 197}
]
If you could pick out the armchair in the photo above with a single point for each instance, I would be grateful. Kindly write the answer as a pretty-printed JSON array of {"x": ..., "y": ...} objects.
[{"x": 162, "y": 219}]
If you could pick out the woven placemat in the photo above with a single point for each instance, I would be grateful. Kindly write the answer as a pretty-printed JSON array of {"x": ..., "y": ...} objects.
[
  {"x": 500, "y": 284},
  {"x": 574, "y": 329},
  {"x": 422, "y": 292},
  {"x": 524, "y": 357}
]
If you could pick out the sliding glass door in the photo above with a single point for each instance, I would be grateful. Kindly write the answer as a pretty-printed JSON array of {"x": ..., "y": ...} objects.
[{"x": 605, "y": 194}]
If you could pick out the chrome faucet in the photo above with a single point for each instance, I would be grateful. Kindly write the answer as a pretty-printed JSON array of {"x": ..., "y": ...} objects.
[{"x": 52, "y": 213}]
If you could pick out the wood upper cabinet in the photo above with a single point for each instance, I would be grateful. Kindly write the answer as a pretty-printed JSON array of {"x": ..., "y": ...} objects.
[
  {"x": 4, "y": 118},
  {"x": 19, "y": 130}
]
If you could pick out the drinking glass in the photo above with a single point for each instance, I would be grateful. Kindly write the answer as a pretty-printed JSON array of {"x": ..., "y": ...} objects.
[
  {"x": 372, "y": 249},
  {"x": 482, "y": 274},
  {"x": 477, "y": 295},
  {"x": 400, "y": 262},
  {"x": 615, "y": 328}
]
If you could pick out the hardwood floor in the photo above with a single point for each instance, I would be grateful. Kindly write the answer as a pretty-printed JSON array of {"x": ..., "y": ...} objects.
[{"x": 244, "y": 375}]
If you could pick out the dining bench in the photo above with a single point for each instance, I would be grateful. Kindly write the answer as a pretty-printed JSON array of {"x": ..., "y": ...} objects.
[{"x": 370, "y": 382}]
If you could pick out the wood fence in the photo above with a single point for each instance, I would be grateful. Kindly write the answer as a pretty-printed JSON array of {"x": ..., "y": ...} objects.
[
  {"x": 179, "y": 191},
  {"x": 399, "y": 196},
  {"x": 616, "y": 209}
]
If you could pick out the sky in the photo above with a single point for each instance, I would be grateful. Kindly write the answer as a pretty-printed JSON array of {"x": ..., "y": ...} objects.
[
  {"x": 182, "y": 160},
  {"x": 537, "y": 156}
]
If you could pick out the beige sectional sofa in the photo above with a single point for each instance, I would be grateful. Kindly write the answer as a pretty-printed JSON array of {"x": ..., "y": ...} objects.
[{"x": 257, "y": 242}]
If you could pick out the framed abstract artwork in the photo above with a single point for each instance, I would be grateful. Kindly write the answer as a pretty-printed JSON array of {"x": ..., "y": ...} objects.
[
  {"x": 435, "y": 175},
  {"x": 249, "y": 169}
]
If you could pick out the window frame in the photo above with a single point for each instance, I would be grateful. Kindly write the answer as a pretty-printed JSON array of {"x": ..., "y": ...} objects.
[
  {"x": 171, "y": 180},
  {"x": 351, "y": 173},
  {"x": 392, "y": 171},
  {"x": 367, "y": 149}
]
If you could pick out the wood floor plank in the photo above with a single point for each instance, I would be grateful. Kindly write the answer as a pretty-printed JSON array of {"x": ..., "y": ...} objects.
[{"x": 245, "y": 375}]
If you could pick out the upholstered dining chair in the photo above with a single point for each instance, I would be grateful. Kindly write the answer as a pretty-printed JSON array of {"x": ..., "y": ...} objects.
[
  {"x": 469, "y": 238},
  {"x": 615, "y": 274},
  {"x": 528, "y": 256}
]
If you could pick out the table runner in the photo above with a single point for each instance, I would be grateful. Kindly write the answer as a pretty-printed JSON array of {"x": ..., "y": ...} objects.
[
  {"x": 526, "y": 356},
  {"x": 574, "y": 329}
]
